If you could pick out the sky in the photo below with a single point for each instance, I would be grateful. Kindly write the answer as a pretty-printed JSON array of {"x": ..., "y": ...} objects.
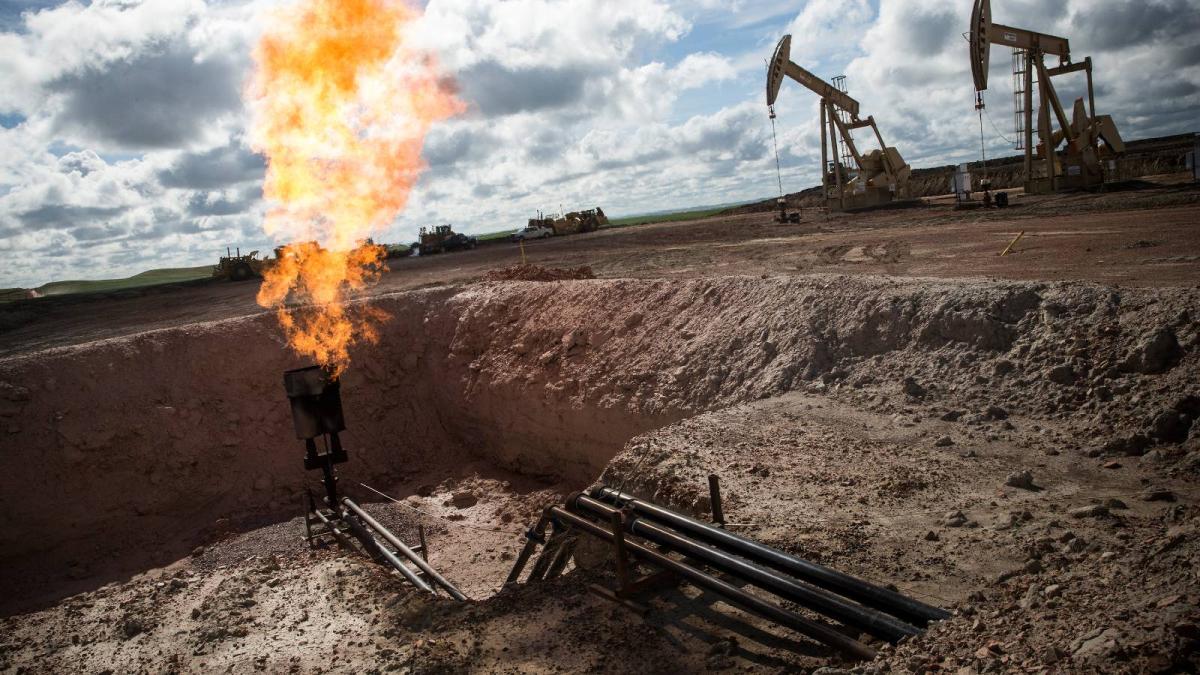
[{"x": 123, "y": 129}]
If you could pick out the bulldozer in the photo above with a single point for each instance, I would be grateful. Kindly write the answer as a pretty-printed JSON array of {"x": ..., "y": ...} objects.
[
  {"x": 441, "y": 238},
  {"x": 238, "y": 267},
  {"x": 577, "y": 222}
]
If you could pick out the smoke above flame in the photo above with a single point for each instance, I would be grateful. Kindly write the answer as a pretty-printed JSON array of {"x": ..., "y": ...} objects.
[{"x": 341, "y": 108}]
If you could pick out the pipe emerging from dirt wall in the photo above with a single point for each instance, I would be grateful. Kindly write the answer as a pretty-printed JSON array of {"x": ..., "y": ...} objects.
[
  {"x": 734, "y": 595},
  {"x": 868, "y": 594},
  {"x": 876, "y": 623}
]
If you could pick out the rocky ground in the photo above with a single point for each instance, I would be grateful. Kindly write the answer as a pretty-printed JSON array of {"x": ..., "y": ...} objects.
[{"x": 1025, "y": 454}]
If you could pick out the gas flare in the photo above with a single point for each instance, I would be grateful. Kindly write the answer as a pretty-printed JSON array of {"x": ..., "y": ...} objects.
[{"x": 341, "y": 107}]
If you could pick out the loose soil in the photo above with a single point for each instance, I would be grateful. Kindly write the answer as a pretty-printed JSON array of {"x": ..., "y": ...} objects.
[{"x": 880, "y": 392}]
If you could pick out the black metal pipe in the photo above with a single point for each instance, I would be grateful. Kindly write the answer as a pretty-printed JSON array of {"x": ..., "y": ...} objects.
[
  {"x": 370, "y": 540},
  {"x": 729, "y": 592},
  {"x": 405, "y": 550},
  {"x": 864, "y": 592},
  {"x": 821, "y": 601}
]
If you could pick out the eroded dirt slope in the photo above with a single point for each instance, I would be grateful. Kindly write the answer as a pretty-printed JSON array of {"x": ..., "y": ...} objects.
[{"x": 872, "y": 423}]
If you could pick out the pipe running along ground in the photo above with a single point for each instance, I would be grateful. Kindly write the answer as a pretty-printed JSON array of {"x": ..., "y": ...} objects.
[
  {"x": 876, "y": 623},
  {"x": 404, "y": 550},
  {"x": 864, "y": 592},
  {"x": 732, "y": 594}
]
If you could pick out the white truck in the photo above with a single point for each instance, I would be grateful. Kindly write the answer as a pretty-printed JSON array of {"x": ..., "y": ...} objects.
[{"x": 533, "y": 232}]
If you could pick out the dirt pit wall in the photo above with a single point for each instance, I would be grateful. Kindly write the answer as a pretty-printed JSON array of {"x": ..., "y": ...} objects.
[{"x": 140, "y": 446}]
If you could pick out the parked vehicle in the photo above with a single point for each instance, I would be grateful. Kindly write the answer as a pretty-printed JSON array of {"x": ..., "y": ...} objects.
[{"x": 534, "y": 232}]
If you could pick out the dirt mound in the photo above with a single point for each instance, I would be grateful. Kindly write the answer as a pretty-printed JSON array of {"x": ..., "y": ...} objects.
[
  {"x": 539, "y": 273},
  {"x": 130, "y": 452}
]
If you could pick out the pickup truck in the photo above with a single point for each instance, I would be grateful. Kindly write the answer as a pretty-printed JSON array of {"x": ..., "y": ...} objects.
[{"x": 533, "y": 232}]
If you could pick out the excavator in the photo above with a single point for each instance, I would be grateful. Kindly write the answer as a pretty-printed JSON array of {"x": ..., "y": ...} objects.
[
  {"x": 880, "y": 176},
  {"x": 1091, "y": 139}
]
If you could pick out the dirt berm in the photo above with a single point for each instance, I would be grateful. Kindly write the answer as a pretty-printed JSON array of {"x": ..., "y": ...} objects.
[{"x": 126, "y": 452}]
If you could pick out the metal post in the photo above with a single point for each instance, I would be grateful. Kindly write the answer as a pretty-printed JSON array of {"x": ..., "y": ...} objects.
[
  {"x": 714, "y": 500},
  {"x": 561, "y": 558},
  {"x": 371, "y": 541},
  {"x": 824, "y": 157},
  {"x": 536, "y": 535},
  {"x": 616, "y": 520},
  {"x": 1091, "y": 92},
  {"x": 1028, "y": 119},
  {"x": 1044, "y": 131},
  {"x": 837, "y": 160}
]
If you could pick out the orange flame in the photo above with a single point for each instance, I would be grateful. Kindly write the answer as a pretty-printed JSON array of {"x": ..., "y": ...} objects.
[{"x": 341, "y": 108}]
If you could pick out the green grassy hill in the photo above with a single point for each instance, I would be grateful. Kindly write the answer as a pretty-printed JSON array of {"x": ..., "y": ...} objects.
[{"x": 147, "y": 278}]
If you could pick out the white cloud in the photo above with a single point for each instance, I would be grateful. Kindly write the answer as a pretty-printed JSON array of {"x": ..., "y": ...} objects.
[{"x": 127, "y": 147}]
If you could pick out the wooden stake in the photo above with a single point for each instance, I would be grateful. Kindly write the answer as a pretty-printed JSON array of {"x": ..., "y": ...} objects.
[{"x": 1012, "y": 243}]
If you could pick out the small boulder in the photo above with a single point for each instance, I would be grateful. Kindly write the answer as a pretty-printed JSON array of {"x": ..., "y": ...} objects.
[
  {"x": 995, "y": 412},
  {"x": 1062, "y": 374},
  {"x": 954, "y": 519},
  {"x": 1020, "y": 479},
  {"x": 1099, "y": 646},
  {"x": 463, "y": 499},
  {"x": 912, "y": 388},
  {"x": 1130, "y": 446},
  {"x": 944, "y": 442},
  {"x": 1188, "y": 405},
  {"x": 574, "y": 338},
  {"x": 1003, "y": 367},
  {"x": 1157, "y": 494},
  {"x": 1091, "y": 511},
  {"x": 1156, "y": 353},
  {"x": 1170, "y": 426}
]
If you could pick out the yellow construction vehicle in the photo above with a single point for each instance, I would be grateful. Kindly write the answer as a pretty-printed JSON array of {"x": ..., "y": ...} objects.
[
  {"x": 577, "y": 222},
  {"x": 440, "y": 238},
  {"x": 238, "y": 267}
]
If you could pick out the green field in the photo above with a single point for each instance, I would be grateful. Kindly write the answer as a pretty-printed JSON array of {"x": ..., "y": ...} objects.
[
  {"x": 664, "y": 217},
  {"x": 148, "y": 278}
]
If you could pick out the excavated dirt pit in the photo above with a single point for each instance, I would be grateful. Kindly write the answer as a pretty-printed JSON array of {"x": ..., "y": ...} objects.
[{"x": 151, "y": 483}]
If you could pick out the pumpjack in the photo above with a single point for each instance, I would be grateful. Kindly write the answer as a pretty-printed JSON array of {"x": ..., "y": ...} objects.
[
  {"x": 1090, "y": 139},
  {"x": 878, "y": 177}
]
